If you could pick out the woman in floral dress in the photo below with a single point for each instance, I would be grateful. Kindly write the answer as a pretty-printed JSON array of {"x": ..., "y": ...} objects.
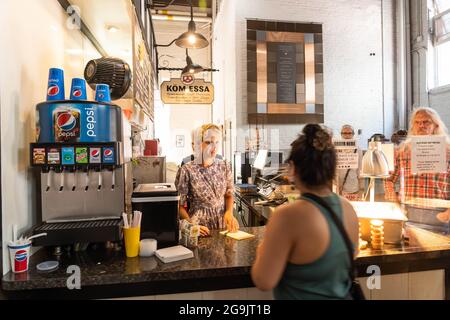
[{"x": 207, "y": 183}]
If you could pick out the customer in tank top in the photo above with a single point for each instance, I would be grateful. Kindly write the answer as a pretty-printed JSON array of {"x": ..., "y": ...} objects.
[{"x": 303, "y": 255}]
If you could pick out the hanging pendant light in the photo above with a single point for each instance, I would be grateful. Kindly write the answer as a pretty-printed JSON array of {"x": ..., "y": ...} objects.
[
  {"x": 191, "y": 39},
  {"x": 191, "y": 67}
]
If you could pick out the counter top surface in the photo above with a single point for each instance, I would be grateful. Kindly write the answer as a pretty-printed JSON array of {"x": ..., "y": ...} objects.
[{"x": 216, "y": 257}]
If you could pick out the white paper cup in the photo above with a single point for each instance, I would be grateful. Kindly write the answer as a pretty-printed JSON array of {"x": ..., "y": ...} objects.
[
  {"x": 147, "y": 247},
  {"x": 19, "y": 256}
]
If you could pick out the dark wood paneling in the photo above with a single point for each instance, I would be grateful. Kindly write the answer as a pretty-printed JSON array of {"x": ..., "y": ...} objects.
[{"x": 285, "y": 118}]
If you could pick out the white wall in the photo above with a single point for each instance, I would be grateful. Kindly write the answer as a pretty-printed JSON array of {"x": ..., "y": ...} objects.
[
  {"x": 34, "y": 37},
  {"x": 353, "y": 80}
]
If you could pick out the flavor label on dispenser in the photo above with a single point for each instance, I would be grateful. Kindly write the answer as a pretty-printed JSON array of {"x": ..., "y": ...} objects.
[
  {"x": 53, "y": 156},
  {"x": 81, "y": 155},
  {"x": 39, "y": 156},
  {"x": 108, "y": 155},
  {"x": 68, "y": 156},
  {"x": 95, "y": 155}
]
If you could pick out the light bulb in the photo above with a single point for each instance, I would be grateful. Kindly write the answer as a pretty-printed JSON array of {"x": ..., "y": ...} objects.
[{"x": 191, "y": 39}]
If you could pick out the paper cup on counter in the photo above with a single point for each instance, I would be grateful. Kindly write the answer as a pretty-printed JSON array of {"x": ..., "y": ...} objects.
[
  {"x": 19, "y": 255},
  {"x": 148, "y": 247},
  {"x": 131, "y": 237}
]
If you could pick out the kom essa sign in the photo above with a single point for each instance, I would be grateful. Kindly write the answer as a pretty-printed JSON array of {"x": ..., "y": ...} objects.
[{"x": 189, "y": 91}]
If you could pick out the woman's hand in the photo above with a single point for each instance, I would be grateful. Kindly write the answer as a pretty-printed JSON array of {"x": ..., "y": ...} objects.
[
  {"x": 444, "y": 216},
  {"x": 204, "y": 231},
  {"x": 231, "y": 222}
]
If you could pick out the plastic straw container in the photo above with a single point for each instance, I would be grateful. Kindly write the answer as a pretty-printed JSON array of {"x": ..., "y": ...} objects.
[{"x": 132, "y": 239}]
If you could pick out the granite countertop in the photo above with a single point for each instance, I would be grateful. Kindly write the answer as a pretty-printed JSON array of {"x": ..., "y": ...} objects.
[
  {"x": 215, "y": 256},
  {"x": 222, "y": 261}
]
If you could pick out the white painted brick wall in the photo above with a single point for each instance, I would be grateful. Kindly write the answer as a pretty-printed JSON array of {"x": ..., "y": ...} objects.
[{"x": 352, "y": 79}]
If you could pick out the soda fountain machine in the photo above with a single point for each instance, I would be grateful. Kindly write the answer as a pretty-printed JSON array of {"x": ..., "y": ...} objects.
[{"x": 83, "y": 175}]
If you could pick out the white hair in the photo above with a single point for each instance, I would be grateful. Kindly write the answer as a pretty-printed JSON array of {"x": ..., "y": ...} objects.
[{"x": 441, "y": 128}]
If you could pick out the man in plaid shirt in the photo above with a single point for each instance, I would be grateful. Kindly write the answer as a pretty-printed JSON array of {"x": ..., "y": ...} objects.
[{"x": 424, "y": 121}]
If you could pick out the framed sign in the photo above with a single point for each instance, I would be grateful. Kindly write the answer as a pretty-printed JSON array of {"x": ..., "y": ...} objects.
[
  {"x": 176, "y": 91},
  {"x": 284, "y": 72}
]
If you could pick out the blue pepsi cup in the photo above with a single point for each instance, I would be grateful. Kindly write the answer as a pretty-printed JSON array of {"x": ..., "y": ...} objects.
[
  {"x": 78, "y": 90},
  {"x": 102, "y": 93},
  {"x": 55, "y": 89}
]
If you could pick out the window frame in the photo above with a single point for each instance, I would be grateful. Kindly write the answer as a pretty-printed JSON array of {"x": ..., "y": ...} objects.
[
  {"x": 437, "y": 40},
  {"x": 434, "y": 44}
]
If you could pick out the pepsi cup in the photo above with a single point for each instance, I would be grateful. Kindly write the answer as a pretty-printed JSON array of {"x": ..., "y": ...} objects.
[
  {"x": 102, "y": 93},
  {"x": 55, "y": 89},
  {"x": 78, "y": 90},
  {"x": 19, "y": 253}
]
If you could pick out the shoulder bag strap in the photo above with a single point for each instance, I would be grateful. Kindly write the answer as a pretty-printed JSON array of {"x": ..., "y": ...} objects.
[{"x": 340, "y": 227}]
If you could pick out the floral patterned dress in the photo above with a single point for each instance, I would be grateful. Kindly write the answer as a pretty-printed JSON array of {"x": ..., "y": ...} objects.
[{"x": 205, "y": 188}]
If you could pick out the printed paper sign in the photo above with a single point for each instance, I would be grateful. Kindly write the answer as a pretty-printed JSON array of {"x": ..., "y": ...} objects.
[
  {"x": 346, "y": 153},
  {"x": 428, "y": 154}
]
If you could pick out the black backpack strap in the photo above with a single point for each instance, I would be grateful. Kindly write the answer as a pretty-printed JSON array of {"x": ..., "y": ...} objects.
[{"x": 340, "y": 227}]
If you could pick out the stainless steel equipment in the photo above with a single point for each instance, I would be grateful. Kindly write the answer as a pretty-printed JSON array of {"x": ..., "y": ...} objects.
[{"x": 83, "y": 194}]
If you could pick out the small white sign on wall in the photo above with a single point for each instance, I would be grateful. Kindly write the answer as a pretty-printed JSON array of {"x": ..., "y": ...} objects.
[
  {"x": 346, "y": 153},
  {"x": 179, "y": 141},
  {"x": 428, "y": 154}
]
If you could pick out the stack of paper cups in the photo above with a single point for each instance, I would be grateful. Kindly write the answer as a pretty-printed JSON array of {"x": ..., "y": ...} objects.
[{"x": 377, "y": 234}]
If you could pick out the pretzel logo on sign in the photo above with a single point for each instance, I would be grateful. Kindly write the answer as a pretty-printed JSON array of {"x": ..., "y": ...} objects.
[{"x": 187, "y": 79}]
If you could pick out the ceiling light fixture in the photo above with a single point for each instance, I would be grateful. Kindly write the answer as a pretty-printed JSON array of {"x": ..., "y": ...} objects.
[
  {"x": 191, "y": 68},
  {"x": 189, "y": 39}
]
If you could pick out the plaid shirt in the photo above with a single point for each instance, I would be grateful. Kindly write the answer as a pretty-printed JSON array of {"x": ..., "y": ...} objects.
[{"x": 426, "y": 185}]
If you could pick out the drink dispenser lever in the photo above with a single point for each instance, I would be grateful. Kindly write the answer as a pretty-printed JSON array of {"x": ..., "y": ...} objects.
[
  {"x": 86, "y": 170},
  {"x": 100, "y": 179},
  {"x": 61, "y": 179},
  {"x": 74, "y": 181},
  {"x": 48, "y": 171},
  {"x": 113, "y": 179}
]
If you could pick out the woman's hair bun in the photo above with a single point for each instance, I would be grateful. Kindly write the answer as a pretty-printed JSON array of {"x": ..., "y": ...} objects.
[{"x": 317, "y": 137}]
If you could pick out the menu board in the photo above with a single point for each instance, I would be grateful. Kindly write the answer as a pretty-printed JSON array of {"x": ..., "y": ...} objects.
[
  {"x": 286, "y": 73},
  {"x": 428, "y": 154},
  {"x": 142, "y": 75}
]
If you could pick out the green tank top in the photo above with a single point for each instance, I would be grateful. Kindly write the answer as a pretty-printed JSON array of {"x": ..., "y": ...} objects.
[{"x": 327, "y": 277}]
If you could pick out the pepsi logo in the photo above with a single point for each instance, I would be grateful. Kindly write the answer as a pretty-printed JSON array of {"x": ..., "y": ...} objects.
[
  {"x": 21, "y": 255},
  {"x": 101, "y": 96},
  {"x": 66, "y": 121},
  {"x": 95, "y": 153},
  {"x": 53, "y": 91},
  {"x": 108, "y": 153},
  {"x": 77, "y": 93}
]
